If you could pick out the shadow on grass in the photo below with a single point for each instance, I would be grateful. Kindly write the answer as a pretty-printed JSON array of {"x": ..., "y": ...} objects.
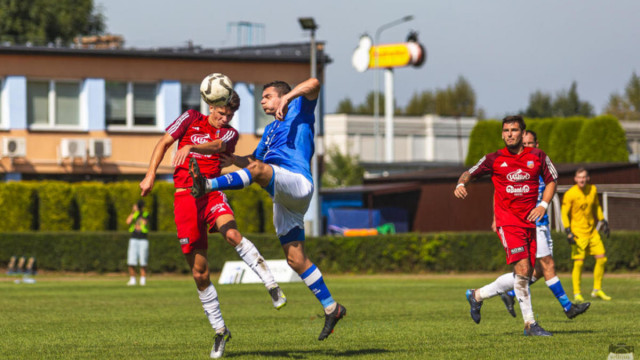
[{"x": 302, "y": 354}]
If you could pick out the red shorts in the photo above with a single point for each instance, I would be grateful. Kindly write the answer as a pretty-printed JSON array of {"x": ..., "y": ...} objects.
[
  {"x": 192, "y": 216},
  {"x": 519, "y": 243}
]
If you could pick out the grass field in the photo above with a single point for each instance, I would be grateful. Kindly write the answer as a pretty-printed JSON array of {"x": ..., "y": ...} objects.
[{"x": 389, "y": 317}]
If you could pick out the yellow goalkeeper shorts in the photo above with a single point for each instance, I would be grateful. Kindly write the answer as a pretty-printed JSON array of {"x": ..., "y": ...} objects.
[{"x": 594, "y": 244}]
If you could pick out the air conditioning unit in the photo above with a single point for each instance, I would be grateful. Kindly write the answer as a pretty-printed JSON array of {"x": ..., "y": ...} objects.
[
  {"x": 99, "y": 148},
  {"x": 14, "y": 146},
  {"x": 73, "y": 148}
]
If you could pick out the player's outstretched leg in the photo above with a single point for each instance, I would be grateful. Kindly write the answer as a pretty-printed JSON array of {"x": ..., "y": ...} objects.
[
  {"x": 219, "y": 342},
  {"x": 475, "y": 305},
  {"x": 231, "y": 181}
]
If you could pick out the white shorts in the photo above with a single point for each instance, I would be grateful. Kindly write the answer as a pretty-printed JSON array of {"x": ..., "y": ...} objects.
[
  {"x": 545, "y": 243},
  {"x": 292, "y": 194},
  {"x": 138, "y": 252}
]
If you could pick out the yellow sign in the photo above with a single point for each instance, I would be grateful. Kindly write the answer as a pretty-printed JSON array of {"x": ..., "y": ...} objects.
[{"x": 395, "y": 55}]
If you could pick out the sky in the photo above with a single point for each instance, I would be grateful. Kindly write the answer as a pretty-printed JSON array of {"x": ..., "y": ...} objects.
[{"x": 506, "y": 49}]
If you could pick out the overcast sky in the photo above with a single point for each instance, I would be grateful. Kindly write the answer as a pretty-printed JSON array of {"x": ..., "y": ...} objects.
[{"x": 507, "y": 49}]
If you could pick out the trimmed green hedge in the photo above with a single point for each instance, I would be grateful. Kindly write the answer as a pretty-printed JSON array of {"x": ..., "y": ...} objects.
[
  {"x": 565, "y": 140},
  {"x": 407, "y": 253},
  {"x": 95, "y": 206}
]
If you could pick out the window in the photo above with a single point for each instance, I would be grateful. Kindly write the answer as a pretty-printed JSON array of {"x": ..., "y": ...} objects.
[
  {"x": 130, "y": 105},
  {"x": 190, "y": 97},
  {"x": 53, "y": 104}
]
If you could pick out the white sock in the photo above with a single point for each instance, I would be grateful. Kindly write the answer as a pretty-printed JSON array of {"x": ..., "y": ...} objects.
[
  {"x": 143, "y": 280},
  {"x": 501, "y": 285},
  {"x": 521, "y": 288},
  {"x": 211, "y": 306},
  {"x": 132, "y": 279},
  {"x": 251, "y": 256}
]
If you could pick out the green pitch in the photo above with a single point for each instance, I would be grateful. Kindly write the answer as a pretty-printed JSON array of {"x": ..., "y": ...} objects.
[{"x": 389, "y": 317}]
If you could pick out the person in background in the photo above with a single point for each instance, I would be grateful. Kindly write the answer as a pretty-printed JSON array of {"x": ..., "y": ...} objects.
[{"x": 138, "y": 252}]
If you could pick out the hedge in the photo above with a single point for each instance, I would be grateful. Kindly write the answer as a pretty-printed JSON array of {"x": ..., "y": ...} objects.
[
  {"x": 407, "y": 253},
  {"x": 601, "y": 139},
  {"x": 95, "y": 206},
  {"x": 565, "y": 140}
]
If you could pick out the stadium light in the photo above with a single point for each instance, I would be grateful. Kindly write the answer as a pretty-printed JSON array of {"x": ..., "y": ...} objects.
[
  {"x": 308, "y": 23},
  {"x": 376, "y": 96}
]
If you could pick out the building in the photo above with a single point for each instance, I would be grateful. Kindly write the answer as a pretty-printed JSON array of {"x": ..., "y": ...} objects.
[{"x": 77, "y": 113}]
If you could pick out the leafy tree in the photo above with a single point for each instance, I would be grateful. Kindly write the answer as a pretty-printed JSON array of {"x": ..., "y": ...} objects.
[
  {"x": 627, "y": 106},
  {"x": 601, "y": 139},
  {"x": 420, "y": 104},
  {"x": 539, "y": 105},
  {"x": 562, "y": 141},
  {"x": 44, "y": 21},
  {"x": 341, "y": 170},
  {"x": 345, "y": 106},
  {"x": 567, "y": 103}
]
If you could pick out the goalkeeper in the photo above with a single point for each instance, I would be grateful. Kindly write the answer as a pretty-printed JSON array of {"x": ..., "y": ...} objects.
[{"x": 580, "y": 210}]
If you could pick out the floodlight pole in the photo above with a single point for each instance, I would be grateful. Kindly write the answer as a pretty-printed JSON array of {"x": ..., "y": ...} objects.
[
  {"x": 376, "y": 95},
  {"x": 315, "y": 205}
]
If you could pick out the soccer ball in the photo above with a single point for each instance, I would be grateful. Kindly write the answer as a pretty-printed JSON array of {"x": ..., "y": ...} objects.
[{"x": 216, "y": 89}]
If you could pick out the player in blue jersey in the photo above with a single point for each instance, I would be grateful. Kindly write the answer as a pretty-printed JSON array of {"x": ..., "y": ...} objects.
[
  {"x": 545, "y": 266},
  {"x": 281, "y": 165}
]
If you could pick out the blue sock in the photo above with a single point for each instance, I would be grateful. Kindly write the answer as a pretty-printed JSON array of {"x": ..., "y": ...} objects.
[
  {"x": 312, "y": 277},
  {"x": 231, "y": 181},
  {"x": 556, "y": 288},
  {"x": 511, "y": 293}
]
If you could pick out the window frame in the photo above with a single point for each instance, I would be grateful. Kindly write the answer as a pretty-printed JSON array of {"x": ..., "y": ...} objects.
[
  {"x": 51, "y": 124},
  {"x": 130, "y": 108}
]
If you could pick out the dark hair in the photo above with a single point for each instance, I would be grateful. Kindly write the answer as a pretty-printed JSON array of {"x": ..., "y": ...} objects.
[
  {"x": 581, "y": 169},
  {"x": 234, "y": 101},
  {"x": 515, "y": 119},
  {"x": 140, "y": 204},
  {"x": 535, "y": 136},
  {"x": 280, "y": 86}
]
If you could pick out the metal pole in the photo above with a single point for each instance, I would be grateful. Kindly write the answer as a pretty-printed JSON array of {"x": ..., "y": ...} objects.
[
  {"x": 376, "y": 95},
  {"x": 388, "y": 115},
  {"x": 315, "y": 164}
]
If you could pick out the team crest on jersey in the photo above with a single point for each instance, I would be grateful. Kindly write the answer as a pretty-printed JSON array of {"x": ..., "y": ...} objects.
[
  {"x": 218, "y": 134},
  {"x": 200, "y": 138},
  {"x": 530, "y": 164}
]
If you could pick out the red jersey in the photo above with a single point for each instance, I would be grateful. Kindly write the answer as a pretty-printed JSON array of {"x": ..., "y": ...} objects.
[
  {"x": 193, "y": 128},
  {"x": 516, "y": 180}
]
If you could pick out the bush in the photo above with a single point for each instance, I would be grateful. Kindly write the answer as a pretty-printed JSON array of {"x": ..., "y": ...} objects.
[
  {"x": 122, "y": 196},
  {"x": 562, "y": 142},
  {"x": 485, "y": 138},
  {"x": 601, "y": 139},
  {"x": 57, "y": 210},
  {"x": 406, "y": 253},
  {"x": 543, "y": 129},
  {"x": 19, "y": 204},
  {"x": 162, "y": 212},
  {"x": 92, "y": 203}
]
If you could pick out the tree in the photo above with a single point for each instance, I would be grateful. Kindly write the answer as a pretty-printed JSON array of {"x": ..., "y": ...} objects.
[
  {"x": 626, "y": 107},
  {"x": 421, "y": 104},
  {"x": 539, "y": 105},
  {"x": 341, "y": 170},
  {"x": 345, "y": 106},
  {"x": 567, "y": 103},
  {"x": 45, "y": 21}
]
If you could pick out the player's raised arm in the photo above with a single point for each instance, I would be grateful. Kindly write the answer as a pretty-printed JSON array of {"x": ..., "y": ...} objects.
[
  {"x": 156, "y": 158},
  {"x": 309, "y": 88}
]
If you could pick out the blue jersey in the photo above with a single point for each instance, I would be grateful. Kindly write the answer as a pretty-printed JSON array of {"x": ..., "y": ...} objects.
[
  {"x": 544, "y": 221},
  {"x": 289, "y": 143}
]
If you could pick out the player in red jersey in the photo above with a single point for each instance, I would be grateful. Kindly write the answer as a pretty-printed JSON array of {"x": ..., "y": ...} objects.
[
  {"x": 515, "y": 172},
  {"x": 204, "y": 138}
]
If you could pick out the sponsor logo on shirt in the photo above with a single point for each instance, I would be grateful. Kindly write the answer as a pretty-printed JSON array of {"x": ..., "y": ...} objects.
[
  {"x": 184, "y": 241},
  {"x": 518, "y": 175},
  {"x": 200, "y": 138},
  {"x": 517, "y": 250},
  {"x": 518, "y": 191},
  {"x": 196, "y": 128}
]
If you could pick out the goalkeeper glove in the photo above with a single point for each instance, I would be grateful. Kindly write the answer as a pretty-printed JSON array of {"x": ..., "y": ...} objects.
[
  {"x": 570, "y": 237},
  {"x": 604, "y": 226}
]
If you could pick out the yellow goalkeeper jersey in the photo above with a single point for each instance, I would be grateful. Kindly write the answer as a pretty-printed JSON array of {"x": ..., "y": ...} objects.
[{"x": 581, "y": 210}]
